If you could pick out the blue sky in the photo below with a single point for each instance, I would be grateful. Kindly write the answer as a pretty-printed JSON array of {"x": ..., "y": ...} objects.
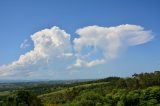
[{"x": 19, "y": 19}]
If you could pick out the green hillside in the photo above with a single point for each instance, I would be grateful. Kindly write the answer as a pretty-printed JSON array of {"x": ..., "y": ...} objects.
[{"x": 138, "y": 90}]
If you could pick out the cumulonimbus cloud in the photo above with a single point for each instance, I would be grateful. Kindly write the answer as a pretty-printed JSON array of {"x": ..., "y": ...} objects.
[
  {"x": 108, "y": 40},
  {"x": 49, "y": 45},
  {"x": 95, "y": 45}
]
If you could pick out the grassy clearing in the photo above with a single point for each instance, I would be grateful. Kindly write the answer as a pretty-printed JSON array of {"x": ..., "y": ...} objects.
[{"x": 70, "y": 88}]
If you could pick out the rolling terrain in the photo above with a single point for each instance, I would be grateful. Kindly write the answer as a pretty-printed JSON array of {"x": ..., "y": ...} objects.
[{"x": 138, "y": 90}]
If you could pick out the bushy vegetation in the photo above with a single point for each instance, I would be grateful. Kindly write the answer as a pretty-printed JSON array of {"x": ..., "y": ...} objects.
[
  {"x": 22, "y": 98},
  {"x": 139, "y": 90}
]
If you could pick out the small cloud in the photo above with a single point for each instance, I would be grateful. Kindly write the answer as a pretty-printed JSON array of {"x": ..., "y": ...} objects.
[
  {"x": 24, "y": 44},
  {"x": 84, "y": 64}
]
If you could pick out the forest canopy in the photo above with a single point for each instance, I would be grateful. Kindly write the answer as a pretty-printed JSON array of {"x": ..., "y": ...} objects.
[{"x": 138, "y": 90}]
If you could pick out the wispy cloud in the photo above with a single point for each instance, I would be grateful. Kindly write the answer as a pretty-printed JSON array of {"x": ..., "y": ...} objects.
[{"x": 24, "y": 44}]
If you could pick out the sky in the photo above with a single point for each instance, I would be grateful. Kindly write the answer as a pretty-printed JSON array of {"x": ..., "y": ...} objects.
[{"x": 78, "y": 39}]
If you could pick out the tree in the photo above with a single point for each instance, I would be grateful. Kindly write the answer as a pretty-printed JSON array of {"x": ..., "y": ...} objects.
[
  {"x": 23, "y": 98},
  {"x": 88, "y": 99}
]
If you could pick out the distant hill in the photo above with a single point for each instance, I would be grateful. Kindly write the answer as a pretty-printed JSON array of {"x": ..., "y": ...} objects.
[{"x": 138, "y": 90}]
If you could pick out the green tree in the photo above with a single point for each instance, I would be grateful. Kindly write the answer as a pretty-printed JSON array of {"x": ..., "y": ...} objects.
[{"x": 23, "y": 98}]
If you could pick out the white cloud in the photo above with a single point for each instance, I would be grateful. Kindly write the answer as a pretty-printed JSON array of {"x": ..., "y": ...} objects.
[
  {"x": 24, "y": 44},
  {"x": 82, "y": 63},
  {"x": 53, "y": 49},
  {"x": 49, "y": 45},
  {"x": 109, "y": 40}
]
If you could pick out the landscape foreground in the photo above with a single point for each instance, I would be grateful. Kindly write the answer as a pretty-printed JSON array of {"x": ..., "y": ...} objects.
[{"x": 138, "y": 90}]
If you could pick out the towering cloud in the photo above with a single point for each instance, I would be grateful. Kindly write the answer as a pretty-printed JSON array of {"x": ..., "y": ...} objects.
[
  {"x": 108, "y": 40},
  {"x": 49, "y": 45},
  {"x": 95, "y": 45}
]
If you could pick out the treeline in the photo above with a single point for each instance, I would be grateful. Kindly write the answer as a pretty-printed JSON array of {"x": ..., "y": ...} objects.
[
  {"x": 119, "y": 97},
  {"x": 142, "y": 80},
  {"x": 138, "y": 90}
]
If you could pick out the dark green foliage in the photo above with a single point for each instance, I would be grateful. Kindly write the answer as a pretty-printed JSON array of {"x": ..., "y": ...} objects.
[
  {"x": 142, "y": 80},
  {"x": 88, "y": 99},
  {"x": 139, "y": 90},
  {"x": 146, "y": 97},
  {"x": 69, "y": 95},
  {"x": 22, "y": 98}
]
